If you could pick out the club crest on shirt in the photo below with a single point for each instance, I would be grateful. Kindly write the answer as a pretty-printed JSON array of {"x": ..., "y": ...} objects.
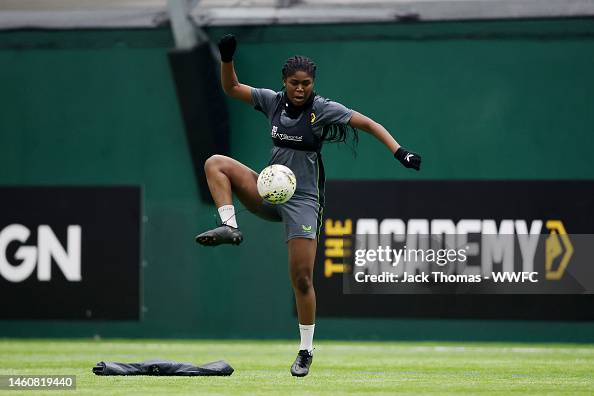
[{"x": 313, "y": 117}]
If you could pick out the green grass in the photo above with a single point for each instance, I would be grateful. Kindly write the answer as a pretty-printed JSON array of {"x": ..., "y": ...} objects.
[{"x": 262, "y": 367}]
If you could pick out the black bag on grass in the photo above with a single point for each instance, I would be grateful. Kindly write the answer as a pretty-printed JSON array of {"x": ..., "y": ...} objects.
[{"x": 163, "y": 367}]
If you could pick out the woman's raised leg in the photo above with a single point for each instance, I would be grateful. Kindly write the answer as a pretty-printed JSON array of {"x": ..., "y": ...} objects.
[{"x": 226, "y": 176}]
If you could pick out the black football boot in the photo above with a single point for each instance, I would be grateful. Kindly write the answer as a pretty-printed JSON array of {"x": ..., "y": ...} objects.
[
  {"x": 301, "y": 366},
  {"x": 223, "y": 234}
]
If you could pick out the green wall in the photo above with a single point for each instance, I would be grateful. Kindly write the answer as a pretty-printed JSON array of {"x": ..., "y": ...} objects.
[{"x": 479, "y": 100}]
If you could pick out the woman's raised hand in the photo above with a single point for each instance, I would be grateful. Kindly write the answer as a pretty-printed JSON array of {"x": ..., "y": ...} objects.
[{"x": 227, "y": 46}]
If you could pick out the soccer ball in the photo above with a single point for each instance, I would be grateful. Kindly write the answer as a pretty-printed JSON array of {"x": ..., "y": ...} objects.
[{"x": 276, "y": 184}]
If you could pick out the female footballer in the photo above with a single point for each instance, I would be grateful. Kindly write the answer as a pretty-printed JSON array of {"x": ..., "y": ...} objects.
[{"x": 301, "y": 122}]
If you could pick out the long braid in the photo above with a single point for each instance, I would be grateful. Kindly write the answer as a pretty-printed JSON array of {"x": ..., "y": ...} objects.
[{"x": 332, "y": 133}]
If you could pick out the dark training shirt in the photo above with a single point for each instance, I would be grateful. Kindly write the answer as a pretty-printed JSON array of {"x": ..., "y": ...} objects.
[{"x": 304, "y": 163}]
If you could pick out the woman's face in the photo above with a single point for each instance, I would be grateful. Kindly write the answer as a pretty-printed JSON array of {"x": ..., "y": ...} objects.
[{"x": 299, "y": 87}]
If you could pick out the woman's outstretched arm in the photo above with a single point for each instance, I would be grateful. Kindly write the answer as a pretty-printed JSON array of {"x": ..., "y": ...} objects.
[
  {"x": 364, "y": 123},
  {"x": 229, "y": 80}
]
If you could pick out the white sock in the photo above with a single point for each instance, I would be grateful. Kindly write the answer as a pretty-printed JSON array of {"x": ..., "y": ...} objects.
[
  {"x": 227, "y": 213},
  {"x": 307, "y": 333}
]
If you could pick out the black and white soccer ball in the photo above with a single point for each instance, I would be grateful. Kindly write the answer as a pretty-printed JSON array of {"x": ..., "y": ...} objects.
[{"x": 276, "y": 184}]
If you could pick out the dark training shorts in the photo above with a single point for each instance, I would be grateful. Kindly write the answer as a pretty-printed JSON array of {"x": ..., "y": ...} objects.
[{"x": 301, "y": 216}]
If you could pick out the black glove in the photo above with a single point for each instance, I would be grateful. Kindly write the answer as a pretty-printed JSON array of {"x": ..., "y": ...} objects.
[
  {"x": 227, "y": 46},
  {"x": 408, "y": 158}
]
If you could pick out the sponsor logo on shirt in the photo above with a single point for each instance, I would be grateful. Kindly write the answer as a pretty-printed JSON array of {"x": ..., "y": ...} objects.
[{"x": 283, "y": 136}]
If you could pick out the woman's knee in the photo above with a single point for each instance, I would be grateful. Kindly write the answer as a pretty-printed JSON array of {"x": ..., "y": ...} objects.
[
  {"x": 215, "y": 163},
  {"x": 302, "y": 282}
]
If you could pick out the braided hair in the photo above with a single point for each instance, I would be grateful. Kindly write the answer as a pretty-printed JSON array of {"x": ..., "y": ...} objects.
[
  {"x": 332, "y": 133},
  {"x": 299, "y": 63}
]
